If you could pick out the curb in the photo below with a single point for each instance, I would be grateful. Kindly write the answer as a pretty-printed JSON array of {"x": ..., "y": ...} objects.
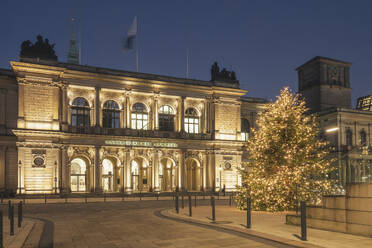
[{"x": 167, "y": 213}]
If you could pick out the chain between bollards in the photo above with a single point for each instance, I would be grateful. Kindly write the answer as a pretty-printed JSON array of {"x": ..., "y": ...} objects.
[
  {"x": 190, "y": 206},
  {"x": 213, "y": 209},
  {"x": 20, "y": 217},
  {"x": 11, "y": 220},
  {"x": 303, "y": 221},
  {"x": 45, "y": 198},
  {"x": 249, "y": 220}
]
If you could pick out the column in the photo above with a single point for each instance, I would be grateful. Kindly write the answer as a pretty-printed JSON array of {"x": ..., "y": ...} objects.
[
  {"x": 127, "y": 172},
  {"x": 204, "y": 171},
  {"x": 182, "y": 114},
  {"x": 56, "y": 109},
  {"x": 127, "y": 109},
  {"x": 206, "y": 167},
  {"x": 211, "y": 171},
  {"x": 155, "y": 165},
  {"x": 182, "y": 170},
  {"x": 123, "y": 116},
  {"x": 64, "y": 108},
  {"x": 2, "y": 167},
  {"x": 155, "y": 115},
  {"x": 98, "y": 170},
  {"x": 21, "y": 114},
  {"x": 205, "y": 117},
  {"x": 98, "y": 107}
]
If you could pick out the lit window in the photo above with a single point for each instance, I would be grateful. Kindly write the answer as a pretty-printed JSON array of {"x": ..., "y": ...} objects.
[
  {"x": 191, "y": 121},
  {"x": 139, "y": 116},
  {"x": 166, "y": 118},
  {"x": 80, "y": 113},
  {"x": 111, "y": 115},
  {"x": 245, "y": 129},
  {"x": 349, "y": 137},
  {"x": 363, "y": 138}
]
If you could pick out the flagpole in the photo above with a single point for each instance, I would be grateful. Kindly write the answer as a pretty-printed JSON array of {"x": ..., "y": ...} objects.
[
  {"x": 137, "y": 45},
  {"x": 187, "y": 62}
]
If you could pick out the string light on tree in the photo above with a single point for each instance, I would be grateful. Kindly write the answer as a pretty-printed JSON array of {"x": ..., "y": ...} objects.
[{"x": 288, "y": 161}]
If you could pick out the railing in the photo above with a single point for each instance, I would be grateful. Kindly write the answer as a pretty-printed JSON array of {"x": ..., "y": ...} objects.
[{"x": 138, "y": 133}]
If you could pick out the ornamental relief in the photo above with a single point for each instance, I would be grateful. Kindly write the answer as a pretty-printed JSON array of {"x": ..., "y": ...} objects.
[
  {"x": 145, "y": 99},
  {"x": 145, "y": 153},
  {"x": 172, "y": 154},
  {"x": 109, "y": 95},
  {"x": 198, "y": 105},
  {"x": 168, "y": 101},
  {"x": 89, "y": 95},
  {"x": 196, "y": 155},
  {"x": 75, "y": 151}
]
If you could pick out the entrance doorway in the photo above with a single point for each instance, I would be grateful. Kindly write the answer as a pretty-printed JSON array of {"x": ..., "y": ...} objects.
[
  {"x": 107, "y": 175},
  {"x": 140, "y": 175},
  {"x": 192, "y": 175},
  {"x": 166, "y": 174},
  {"x": 78, "y": 177}
]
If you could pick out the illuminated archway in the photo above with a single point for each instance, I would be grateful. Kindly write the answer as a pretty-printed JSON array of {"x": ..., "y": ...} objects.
[
  {"x": 167, "y": 174},
  {"x": 140, "y": 174},
  {"x": 192, "y": 178},
  {"x": 107, "y": 175},
  {"x": 78, "y": 175}
]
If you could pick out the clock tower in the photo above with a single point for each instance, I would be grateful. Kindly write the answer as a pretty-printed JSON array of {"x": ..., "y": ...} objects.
[{"x": 325, "y": 83}]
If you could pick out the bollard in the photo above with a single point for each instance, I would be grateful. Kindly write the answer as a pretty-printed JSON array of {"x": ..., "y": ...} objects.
[
  {"x": 45, "y": 198},
  {"x": 182, "y": 201},
  {"x": 9, "y": 207},
  {"x": 190, "y": 206},
  {"x": 303, "y": 221},
  {"x": 195, "y": 200},
  {"x": 176, "y": 202},
  {"x": 1, "y": 229},
  {"x": 157, "y": 196},
  {"x": 230, "y": 200},
  {"x": 104, "y": 197},
  {"x": 140, "y": 194},
  {"x": 86, "y": 198},
  {"x": 20, "y": 217},
  {"x": 213, "y": 209},
  {"x": 248, "y": 212},
  {"x": 11, "y": 220},
  {"x": 122, "y": 198}
]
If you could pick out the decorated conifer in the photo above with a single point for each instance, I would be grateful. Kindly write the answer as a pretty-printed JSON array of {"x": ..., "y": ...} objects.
[{"x": 288, "y": 161}]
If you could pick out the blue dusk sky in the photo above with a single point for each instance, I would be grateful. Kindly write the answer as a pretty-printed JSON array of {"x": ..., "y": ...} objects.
[{"x": 262, "y": 41}]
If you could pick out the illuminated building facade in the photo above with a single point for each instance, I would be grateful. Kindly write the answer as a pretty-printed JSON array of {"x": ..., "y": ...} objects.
[{"x": 72, "y": 128}]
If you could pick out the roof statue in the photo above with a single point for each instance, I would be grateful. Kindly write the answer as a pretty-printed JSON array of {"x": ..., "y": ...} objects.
[
  {"x": 40, "y": 49},
  {"x": 223, "y": 75}
]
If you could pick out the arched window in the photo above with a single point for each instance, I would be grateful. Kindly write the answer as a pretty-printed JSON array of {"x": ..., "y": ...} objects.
[
  {"x": 166, "y": 118},
  {"x": 111, "y": 114},
  {"x": 140, "y": 117},
  {"x": 191, "y": 121},
  {"x": 363, "y": 138},
  {"x": 349, "y": 137},
  {"x": 245, "y": 129},
  {"x": 80, "y": 113}
]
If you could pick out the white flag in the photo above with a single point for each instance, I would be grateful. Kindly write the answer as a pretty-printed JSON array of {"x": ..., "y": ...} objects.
[{"x": 131, "y": 35}]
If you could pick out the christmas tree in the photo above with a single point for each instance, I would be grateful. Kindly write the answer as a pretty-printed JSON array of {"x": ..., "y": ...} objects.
[{"x": 288, "y": 162}]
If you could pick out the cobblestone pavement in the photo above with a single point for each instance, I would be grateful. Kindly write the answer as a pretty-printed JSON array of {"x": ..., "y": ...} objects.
[{"x": 128, "y": 224}]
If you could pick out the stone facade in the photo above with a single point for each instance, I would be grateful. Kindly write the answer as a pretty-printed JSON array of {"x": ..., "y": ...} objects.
[{"x": 56, "y": 139}]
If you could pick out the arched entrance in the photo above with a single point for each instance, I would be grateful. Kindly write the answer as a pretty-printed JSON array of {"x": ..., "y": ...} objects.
[
  {"x": 193, "y": 181},
  {"x": 107, "y": 175},
  {"x": 140, "y": 175},
  {"x": 167, "y": 174},
  {"x": 78, "y": 175}
]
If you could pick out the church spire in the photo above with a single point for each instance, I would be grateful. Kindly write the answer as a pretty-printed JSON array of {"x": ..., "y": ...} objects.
[{"x": 73, "y": 55}]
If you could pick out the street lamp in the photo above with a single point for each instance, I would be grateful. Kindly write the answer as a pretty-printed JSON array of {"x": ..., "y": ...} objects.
[{"x": 220, "y": 169}]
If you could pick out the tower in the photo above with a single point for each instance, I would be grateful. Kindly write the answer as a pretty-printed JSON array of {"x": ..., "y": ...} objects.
[
  {"x": 325, "y": 83},
  {"x": 73, "y": 55}
]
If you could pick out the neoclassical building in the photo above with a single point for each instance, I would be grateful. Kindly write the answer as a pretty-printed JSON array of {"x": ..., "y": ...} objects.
[{"x": 73, "y": 128}]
